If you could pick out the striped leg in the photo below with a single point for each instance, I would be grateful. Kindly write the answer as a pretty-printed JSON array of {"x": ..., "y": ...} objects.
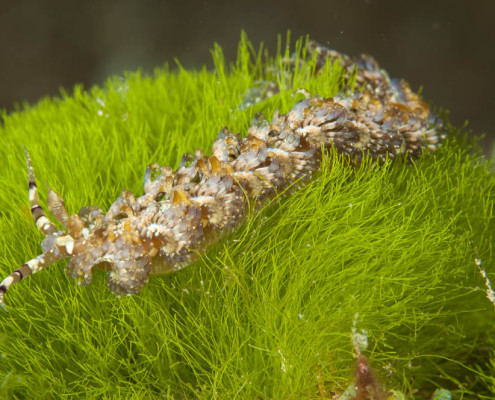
[
  {"x": 26, "y": 269},
  {"x": 42, "y": 222},
  {"x": 59, "y": 245},
  {"x": 62, "y": 247}
]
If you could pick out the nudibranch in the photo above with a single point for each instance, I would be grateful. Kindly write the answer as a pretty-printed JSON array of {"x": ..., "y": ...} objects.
[{"x": 183, "y": 211}]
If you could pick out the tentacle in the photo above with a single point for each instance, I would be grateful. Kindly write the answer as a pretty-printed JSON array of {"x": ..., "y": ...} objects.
[
  {"x": 61, "y": 247},
  {"x": 56, "y": 205},
  {"x": 147, "y": 181},
  {"x": 56, "y": 245},
  {"x": 42, "y": 222}
]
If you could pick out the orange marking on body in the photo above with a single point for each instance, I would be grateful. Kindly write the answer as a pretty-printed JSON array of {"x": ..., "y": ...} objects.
[
  {"x": 180, "y": 197},
  {"x": 215, "y": 164}
]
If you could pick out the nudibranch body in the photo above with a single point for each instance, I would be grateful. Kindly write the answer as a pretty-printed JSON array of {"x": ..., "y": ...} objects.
[{"x": 182, "y": 211}]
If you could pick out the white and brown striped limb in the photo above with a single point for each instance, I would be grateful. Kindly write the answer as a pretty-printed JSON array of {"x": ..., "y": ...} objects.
[
  {"x": 57, "y": 245},
  {"x": 41, "y": 221},
  {"x": 29, "y": 268}
]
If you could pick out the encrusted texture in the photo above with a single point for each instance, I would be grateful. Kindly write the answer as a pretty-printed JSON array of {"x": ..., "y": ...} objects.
[{"x": 182, "y": 211}]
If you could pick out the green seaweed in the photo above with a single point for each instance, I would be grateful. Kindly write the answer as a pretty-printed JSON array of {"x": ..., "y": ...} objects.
[{"x": 268, "y": 312}]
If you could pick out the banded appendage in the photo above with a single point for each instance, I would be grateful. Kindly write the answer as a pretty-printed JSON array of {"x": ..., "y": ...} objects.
[{"x": 56, "y": 245}]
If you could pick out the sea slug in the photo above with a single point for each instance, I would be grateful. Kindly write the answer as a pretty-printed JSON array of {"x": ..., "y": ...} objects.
[{"x": 182, "y": 211}]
